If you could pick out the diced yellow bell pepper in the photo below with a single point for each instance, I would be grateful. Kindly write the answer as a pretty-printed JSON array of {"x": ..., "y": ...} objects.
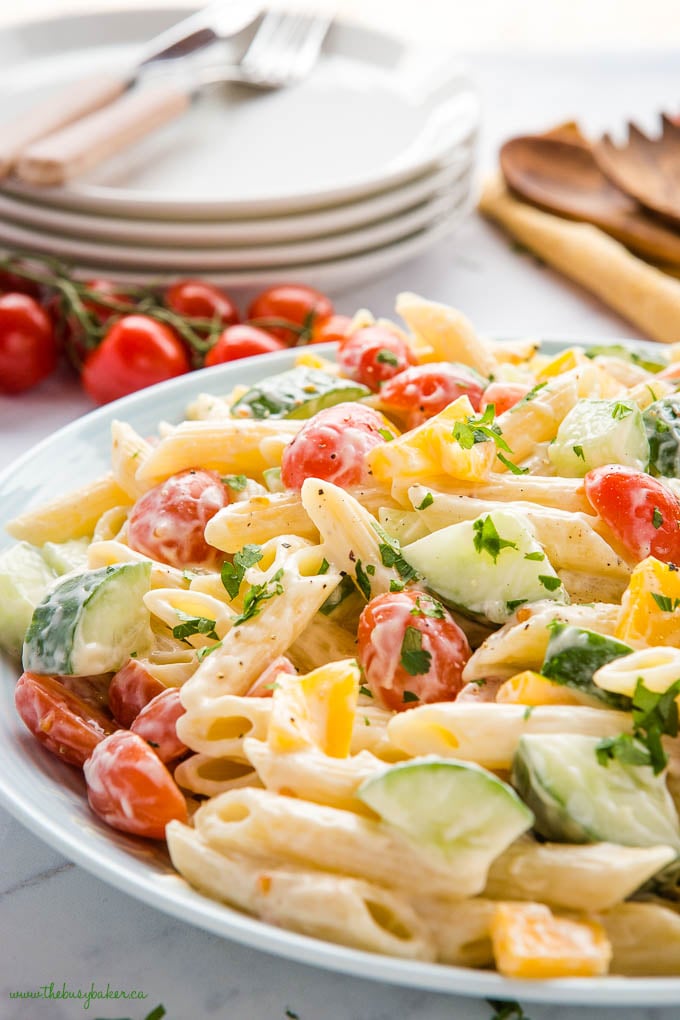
[
  {"x": 316, "y": 710},
  {"x": 650, "y": 608},
  {"x": 529, "y": 688},
  {"x": 431, "y": 449},
  {"x": 529, "y": 941},
  {"x": 563, "y": 362}
]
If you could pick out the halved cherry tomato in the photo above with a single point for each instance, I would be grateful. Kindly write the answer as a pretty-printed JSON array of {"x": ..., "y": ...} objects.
[
  {"x": 331, "y": 329},
  {"x": 64, "y": 723},
  {"x": 241, "y": 342},
  {"x": 264, "y": 685},
  {"x": 411, "y": 650},
  {"x": 504, "y": 395},
  {"x": 129, "y": 787},
  {"x": 196, "y": 299},
  {"x": 294, "y": 303},
  {"x": 424, "y": 390},
  {"x": 157, "y": 724},
  {"x": 643, "y": 514},
  {"x": 136, "y": 352},
  {"x": 168, "y": 521},
  {"x": 28, "y": 349},
  {"x": 131, "y": 688},
  {"x": 373, "y": 355},
  {"x": 332, "y": 445}
]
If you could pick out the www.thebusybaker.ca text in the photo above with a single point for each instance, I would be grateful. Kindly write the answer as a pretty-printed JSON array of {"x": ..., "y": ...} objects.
[{"x": 51, "y": 991}]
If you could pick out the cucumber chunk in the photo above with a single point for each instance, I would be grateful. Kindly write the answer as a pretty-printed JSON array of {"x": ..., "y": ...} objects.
[
  {"x": 25, "y": 578},
  {"x": 577, "y": 800},
  {"x": 63, "y": 557},
  {"x": 90, "y": 623},
  {"x": 455, "y": 808},
  {"x": 486, "y": 567},
  {"x": 298, "y": 393},
  {"x": 574, "y": 655},
  {"x": 650, "y": 362},
  {"x": 598, "y": 432},
  {"x": 662, "y": 422}
]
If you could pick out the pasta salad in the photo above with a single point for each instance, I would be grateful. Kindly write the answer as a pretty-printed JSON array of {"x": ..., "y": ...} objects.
[{"x": 387, "y": 647}]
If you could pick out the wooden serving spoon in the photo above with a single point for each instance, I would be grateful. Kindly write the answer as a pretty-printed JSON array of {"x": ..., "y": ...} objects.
[
  {"x": 646, "y": 168},
  {"x": 564, "y": 178}
]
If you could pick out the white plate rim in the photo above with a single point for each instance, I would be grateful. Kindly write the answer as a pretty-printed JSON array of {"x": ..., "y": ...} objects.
[
  {"x": 124, "y": 870},
  {"x": 99, "y": 199}
]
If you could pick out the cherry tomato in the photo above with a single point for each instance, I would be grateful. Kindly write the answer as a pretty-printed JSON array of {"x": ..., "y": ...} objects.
[
  {"x": 12, "y": 283},
  {"x": 157, "y": 724},
  {"x": 28, "y": 349},
  {"x": 69, "y": 330},
  {"x": 331, "y": 329},
  {"x": 643, "y": 514},
  {"x": 168, "y": 521},
  {"x": 264, "y": 685},
  {"x": 504, "y": 395},
  {"x": 136, "y": 352},
  {"x": 129, "y": 787},
  {"x": 195, "y": 299},
  {"x": 131, "y": 688},
  {"x": 425, "y": 390},
  {"x": 373, "y": 355},
  {"x": 411, "y": 650},
  {"x": 299, "y": 305},
  {"x": 332, "y": 445},
  {"x": 241, "y": 342},
  {"x": 59, "y": 719}
]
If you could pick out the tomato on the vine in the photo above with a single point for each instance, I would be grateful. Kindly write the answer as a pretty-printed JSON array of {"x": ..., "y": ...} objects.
[
  {"x": 291, "y": 303},
  {"x": 241, "y": 341},
  {"x": 136, "y": 352},
  {"x": 13, "y": 283},
  {"x": 373, "y": 355},
  {"x": 195, "y": 299},
  {"x": 70, "y": 331},
  {"x": 28, "y": 350}
]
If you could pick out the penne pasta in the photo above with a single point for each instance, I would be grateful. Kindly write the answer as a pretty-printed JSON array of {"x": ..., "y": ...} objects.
[{"x": 74, "y": 515}]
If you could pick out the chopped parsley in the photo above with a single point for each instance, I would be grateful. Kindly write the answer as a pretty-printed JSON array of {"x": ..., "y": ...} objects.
[
  {"x": 193, "y": 625},
  {"x": 538, "y": 556},
  {"x": 291, "y": 1015},
  {"x": 549, "y": 583},
  {"x": 409, "y": 696},
  {"x": 259, "y": 593},
  {"x": 396, "y": 585},
  {"x": 480, "y": 430},
  {"x": 578, "y": 450},
  {"x": 654, "y": 716},
  {"x": 531, "y": 395},
  {"x": 390, "y": 555},
  {"x": 370, "y": 570},
  {"x": 363, "y": 582},
  {"x": 621, "y": 410},
  {"x": 367, "y": 721},
  {"x": 657, "y": 518},
  {"x": 432, "y": 608},
  {"x": 527, "y": 712},
  {"x": 514, "y": 468},
  {"x": 514, "y": 604},
  {"x": 386, "y": 434},
  {"x": 207, "y": 650},
  {"x": 487, "y": 539},
  {"x": 232, "y": 573},
  {"x": 665, "y": 603},
  {"x": 323, "y": 569},
  {"x": 387, "y": 357},
  {"x": 414, "y": 658},
  {"x": 235, "y": 482},
  {"x": 506, "y": 1010},
  {"x": 427, "y": 500},
  {"x": 366, "y": 691}
]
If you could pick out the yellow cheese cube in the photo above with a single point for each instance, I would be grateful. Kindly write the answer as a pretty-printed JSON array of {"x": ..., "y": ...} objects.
[
  {"x": 529, "y": 688},
  {"x": 316, "y": 710},
  {"x": 563, "y": 362},
  {"x": 529, "y": 941},
  {"x": 650, "y": 608}
]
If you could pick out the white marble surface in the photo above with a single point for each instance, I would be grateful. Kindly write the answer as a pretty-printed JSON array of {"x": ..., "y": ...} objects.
[{"x": 57, "y": 922}]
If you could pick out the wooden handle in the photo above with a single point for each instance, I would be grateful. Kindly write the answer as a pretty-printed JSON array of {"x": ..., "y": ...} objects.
[
  {"x": 68, "y": 105},
  {"x": 88, "y": 142}
]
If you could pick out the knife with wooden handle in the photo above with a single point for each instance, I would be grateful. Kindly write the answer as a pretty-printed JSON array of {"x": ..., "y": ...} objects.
[{"x": 61, "y": 113}]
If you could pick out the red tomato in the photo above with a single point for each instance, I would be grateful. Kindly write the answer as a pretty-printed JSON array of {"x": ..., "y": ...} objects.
[
  {"x": 643, "y": 514},
  {"x": 504, "y": 395},
  {"x": 331, "y": 329},
  {"x": 241, "y": 342},
  {"x": 299, "y": 305},
  {"x": 131, "y": 688},
  {"x": 157, "y": 724},
  {"x": 168, "y": 521},
  {"x": 136, "y": 352},
  {"x": 69, "y": 329},
  {"x": 28, "y": 349},
  {"x": 373, "y": 355},
  {"x": 332, "y": 445},
  {"x": 411, "y": 650},
  {"x": 12, "y": 283},
  {"x": 59, "y": 719},
  {"x": 129, "y": 787},
  {"x": 195, "y": 299},
  {"x": 425, "y": 390},
  {"x": 264, "y": 685}
]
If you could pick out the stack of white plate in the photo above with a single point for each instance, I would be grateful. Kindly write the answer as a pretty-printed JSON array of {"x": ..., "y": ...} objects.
[{"x": 363, "y": 165}]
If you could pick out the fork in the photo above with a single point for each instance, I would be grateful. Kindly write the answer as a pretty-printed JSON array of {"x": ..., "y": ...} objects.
[{"x": 283, "y": 51}]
